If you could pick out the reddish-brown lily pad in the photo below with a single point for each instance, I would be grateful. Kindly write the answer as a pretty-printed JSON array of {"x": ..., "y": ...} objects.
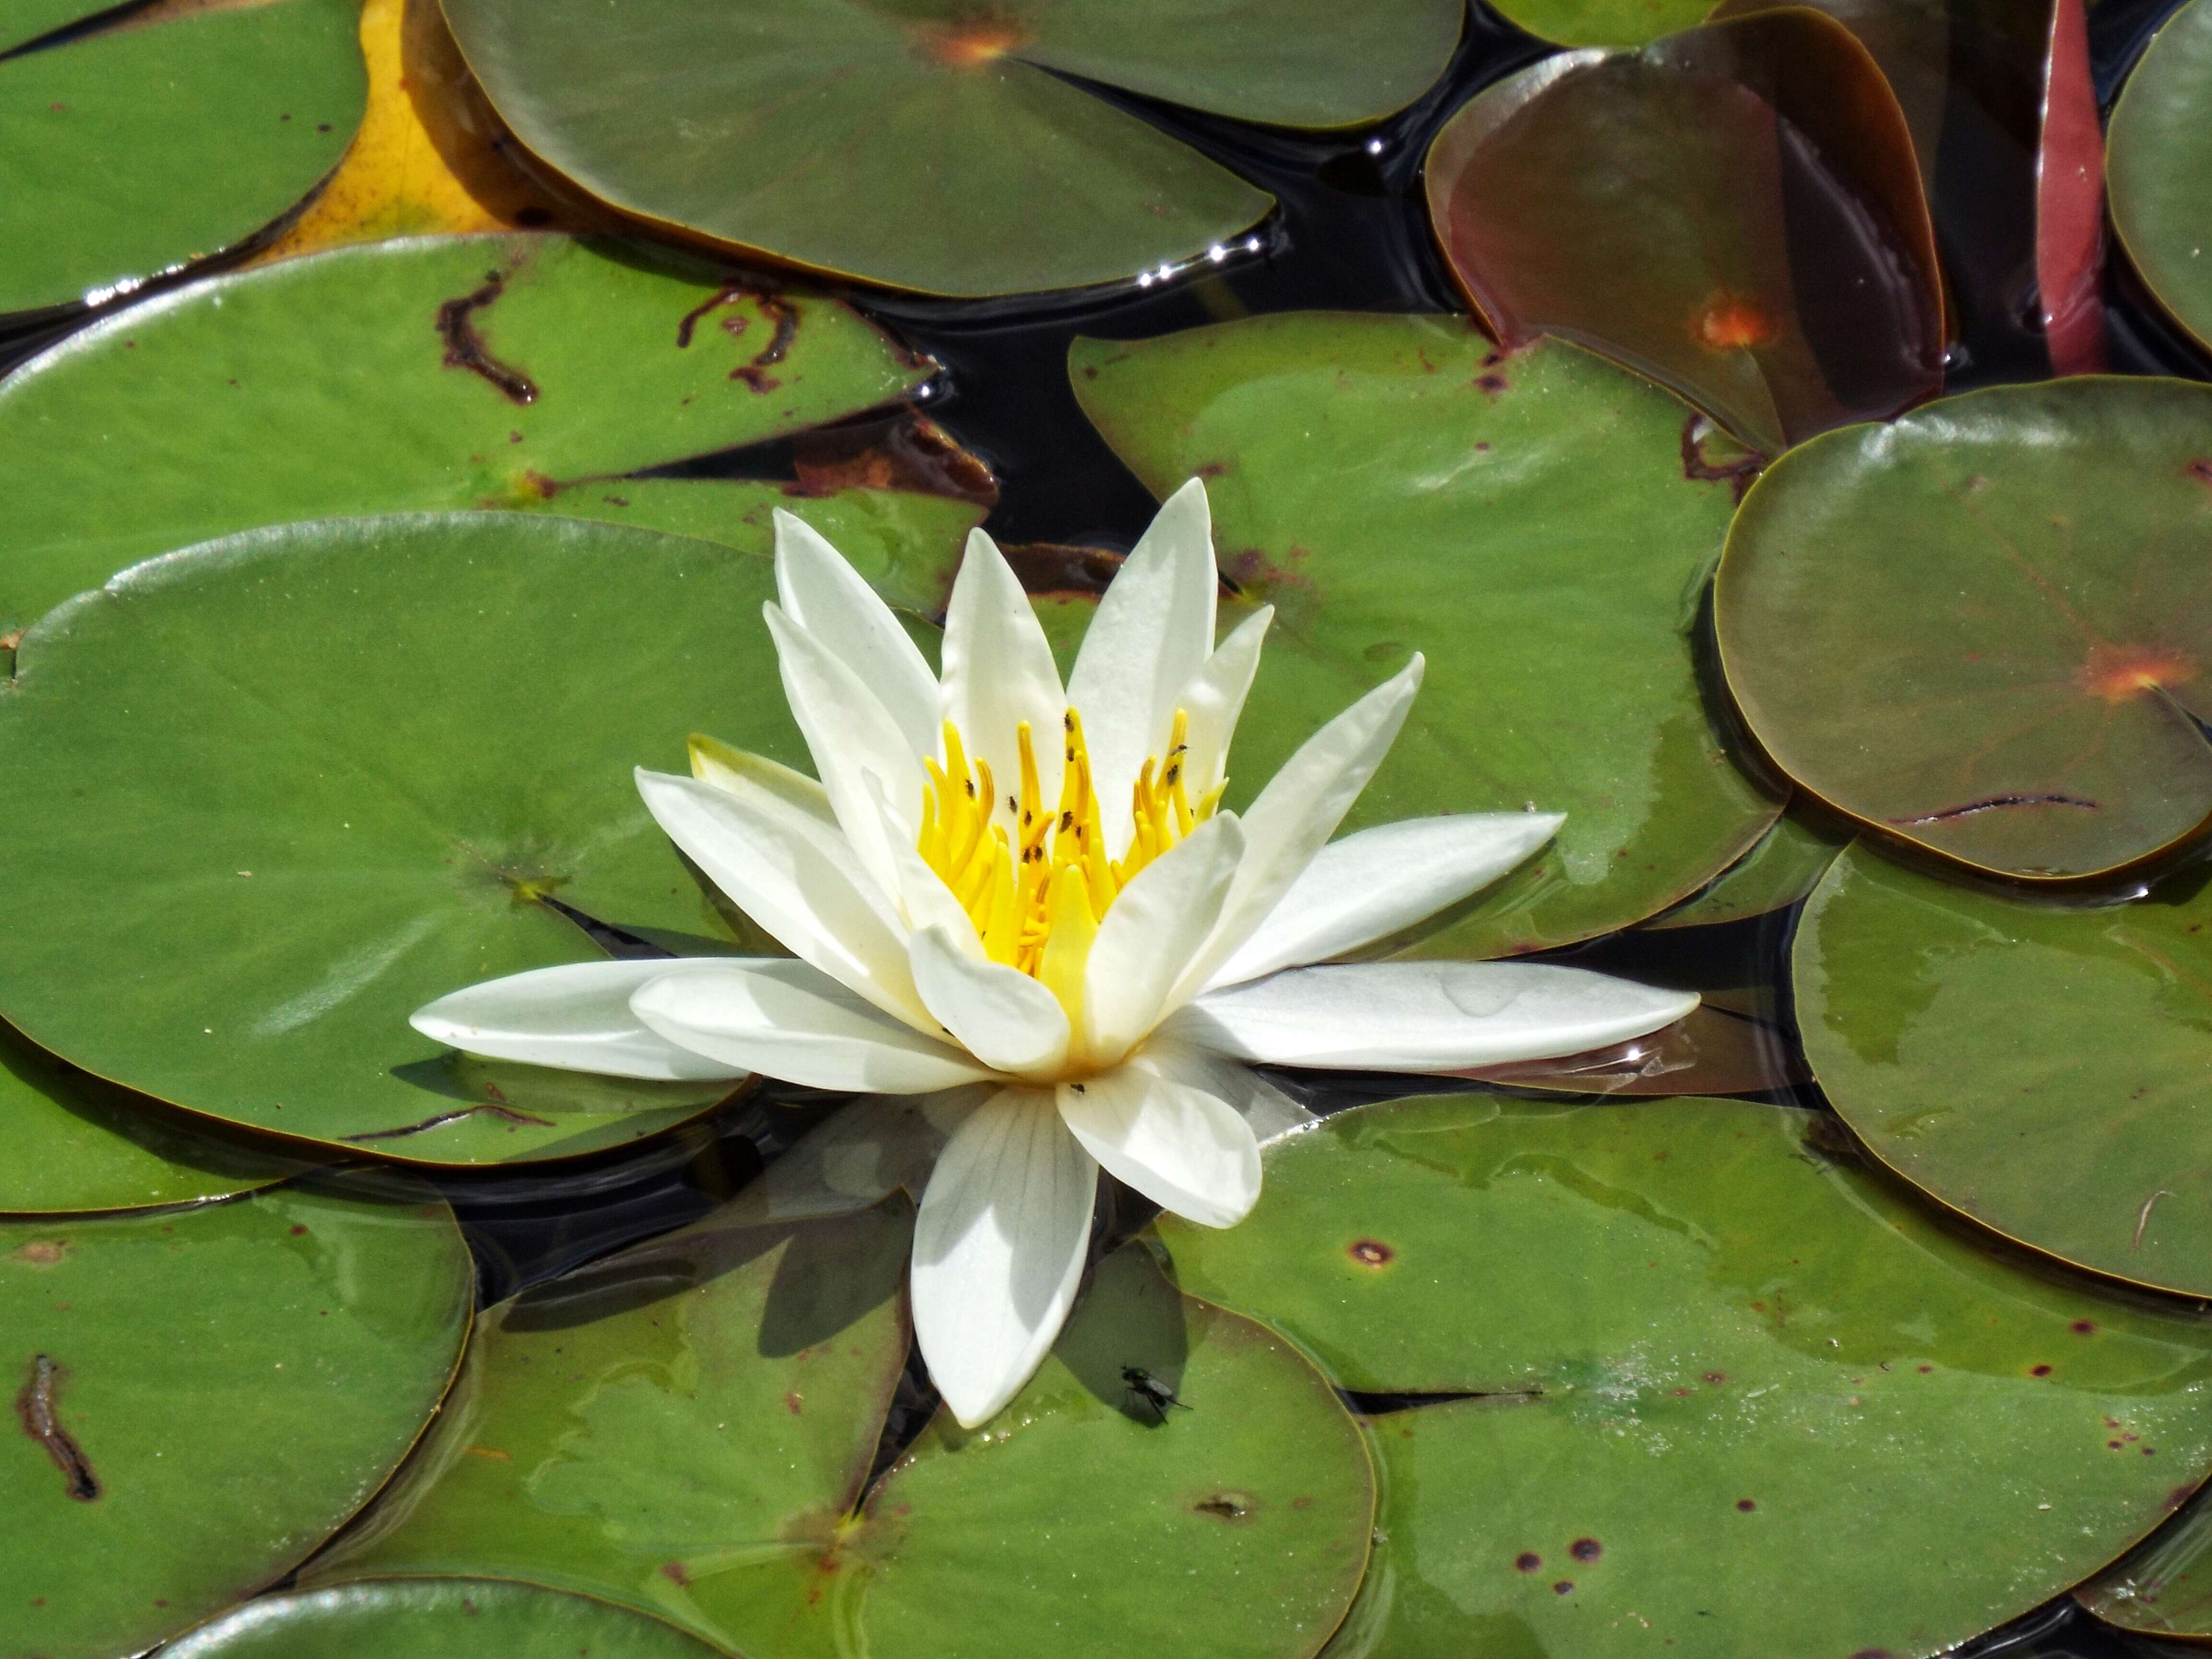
[{"x": 1758, "y": 178}]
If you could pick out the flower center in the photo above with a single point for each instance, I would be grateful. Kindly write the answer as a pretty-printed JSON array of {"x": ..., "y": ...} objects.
[{"x": 1036, "y": 897}]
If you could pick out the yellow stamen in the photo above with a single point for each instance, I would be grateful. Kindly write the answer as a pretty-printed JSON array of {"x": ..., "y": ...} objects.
[{"x": 1037, "y": 887}]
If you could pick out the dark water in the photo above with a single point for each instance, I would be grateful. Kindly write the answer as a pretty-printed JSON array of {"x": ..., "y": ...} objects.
[{"x": 1351, "y": 233}]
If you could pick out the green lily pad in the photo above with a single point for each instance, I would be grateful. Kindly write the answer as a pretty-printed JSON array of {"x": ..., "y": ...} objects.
[
  {"x": 1392, "y": 484},
  {"x": 1785, "y": 866},
  {"x": 1543, "y": 191},
  {"x": 202, "y": 1397},
  {"x": 2039, "y": 1068},
  {"x": 688, "y": 1428},
  {"x": 435, "y": 1618},
  {"x": 2160, "y": 147},
  {"x": 277, "y": 792},
  {"x": 2023, "y": 693},
  {"x": 2160, "y": 1589},
  {"x": 933, "y": 144},
  {"x": 515, "y": 372},
  {"x": 127, "y": 153},
  {"x": 70, "y": 1142},
  {"x": 1736, "y": 1394}
]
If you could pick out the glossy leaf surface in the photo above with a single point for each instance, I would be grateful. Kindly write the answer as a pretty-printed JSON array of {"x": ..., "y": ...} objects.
[
  {"x": 1738, "y": 1391},
  {"x": 688, "y": 1428},
  {"x": 291, "y": 785},
  {"x": 435, "y": 1618},
  {"x": 524, "y": 372},
  {"x": 935, "y": 145},
  {"x": 2039, "y": 1067},
  {"x": 2161, "y": 1588},
  {"x": 127, "y": 153},
  {"x": 1758, "y": 178},
  {"x": 1392, "y": 485},
  {"x": 1985, "y": 627},
  {"x": 1785, "y": 866},
  {"x": 70, "y": 1142},
  {"x": 2159, "y": 169},
  {"x": 206, "y": 1395}
]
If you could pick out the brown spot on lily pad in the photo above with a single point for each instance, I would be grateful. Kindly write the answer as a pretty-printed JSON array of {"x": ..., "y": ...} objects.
[
  {"x": 1371, "y": 1252},
  {"x": 1527, "y": 1561},
  {"x": 42, "y": 1252},
  {"x": 1586, "y": 1549}
]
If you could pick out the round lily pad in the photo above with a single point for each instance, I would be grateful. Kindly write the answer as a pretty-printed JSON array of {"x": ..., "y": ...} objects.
[
  {"x": 935, "y": 145},
  {"x": 126, "y": 153},
  {"x": 688, "y": 1428},
  {"x": 70, "y": 1142},
  {"x": 435, "y": 1618},
  {"x": 2039, "y": 1067},
  {"x": 1782, "y": 869},
  {"x": 203, "y": 1395},
  {"x": 1537, "y": 523},
  {"x": 1735, "y": 1394},
  {"x": 2023, "y": 692},
  {"x": 275, "y": 792},
  {"x": 1785, "y": 272},
  {"x": 2160, "y": 149},
  {"x": 518, "y": 371}
]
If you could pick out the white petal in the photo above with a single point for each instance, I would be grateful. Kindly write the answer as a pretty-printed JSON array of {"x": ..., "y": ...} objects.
[
  {"x": 784, "y": 1019},
  {"x": 831, "y": 600},
  {"x": 800, "y": 881},
  {"x": 1151, "y": 932},
  {"x": 851, "y": 737},
  {"x": 999, "y": 1014},
  {"x": 1149, "y": 638},
  {"x": 1424, "y": 1016},
  {"x": 1370, "y": 885},
  {"x": 1215, "y": 698},
  {"x": 998, "y": 672},
  {"x": 998, "y": 1249},
  {"x": 856, "y": 1157},
  {"x": 1271, "y": 1113},
  {"x": 575, "y": 1018},
  {"x": 1299, "y": 811},
  {"x": 742, "y": 772},
  {"x": 1186, "y": 1150}
]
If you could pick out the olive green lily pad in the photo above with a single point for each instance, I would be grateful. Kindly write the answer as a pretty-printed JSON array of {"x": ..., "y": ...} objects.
[
  {"x": 70, "y": 1142},
  {"x": 1986, "y": 626},
  {"x": 1392, "y": 485},
  {"x": 959, "y": 154},
  {"x": 274, "y": 793},
  {"x": 2160, "y": 147},
  {"x": 1736, "y": 1396},
  {"x": 435, "y": 1618},
  {"x": 2040, "y": 1068},
  {"x": 933, "y": 144},
  {"x": 518, "y": 371},
  {"x": 2160, "y": 1589},
  {"x": 1785, "y": 866},
  {"x": 202, "y": 1396},
  {"x": 1757, "y": 177},
  {"x": 688, "y": 1428},
  {"x": 127, "y": 153}
]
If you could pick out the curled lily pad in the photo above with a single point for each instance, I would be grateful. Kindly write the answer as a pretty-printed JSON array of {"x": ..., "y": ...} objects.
[
  {"x": 130, "y": 151},
  {"x": 2040, "y": 1068},
  {"x": 688, "y": 1428},
  {"x": 275, "y": 792},
  {"x": 71, "y": 1143},
  {"x": 2022, "y": 693},
  {"x": 936, "y": 145},
  {"x": 520, "y": 372},
  {"x": 202, "y": 1397},
  {"x": 1734, "y": 1393},
  {"x": 2161, "y": 149},
  {"x": 1539, "y": 523},
  {"x": 435, "y": 1618},
  {"x": 1758, "y": 178},
  {"x": 1779, "y": 872}
]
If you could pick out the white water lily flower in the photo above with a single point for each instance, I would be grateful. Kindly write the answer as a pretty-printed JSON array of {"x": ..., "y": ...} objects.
[{"x": 1026, "y": 901}]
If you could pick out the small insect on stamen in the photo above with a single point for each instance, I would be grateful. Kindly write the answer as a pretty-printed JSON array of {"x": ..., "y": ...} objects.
[{"x": 1145, "y": 1392}]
